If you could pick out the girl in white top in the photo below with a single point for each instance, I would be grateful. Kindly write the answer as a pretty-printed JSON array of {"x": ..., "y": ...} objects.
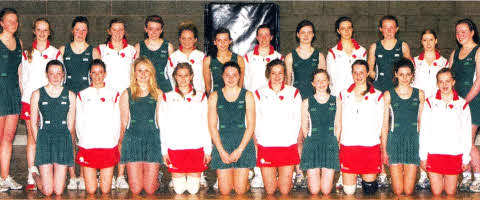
[
  {"x": 277, "y": 129},
  {"x": 187, "y": 52},
  {"x": 118, "y": 56},
  {"x": 98, "y": 129},
  {"x": 428, "y": 63},
  {"x": 185, "y": 139},
  {"x": 32, "y": 70},
  {"x": 445, "y": 138},
  {"x": 256, "y": 60},
  {"x": 362, "y": 117},
  {"x": 341, "y": 56}
]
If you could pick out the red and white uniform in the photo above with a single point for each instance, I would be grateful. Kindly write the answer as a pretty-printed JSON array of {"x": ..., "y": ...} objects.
[
  {"x": 255, "y": 66},
  {"x": 339, "y": 66},
  {"x": 98, "y": 127},
  {"x": 118, "y": 64},
  {"x": 278, "y": 120},
  {"x": 33, "y": 73},
  {"x": 195, "y": 59},
  {"x": 445, "y": 131},
  {"x": 361, "y": 129},
  {"x": 426, "y": 75},
  {"x": 184, "y": 133}
]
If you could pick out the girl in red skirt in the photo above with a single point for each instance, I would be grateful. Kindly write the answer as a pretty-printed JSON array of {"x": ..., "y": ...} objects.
[
  {"x": 185, "y": 140},
  {"x": 445, "y": 138}
]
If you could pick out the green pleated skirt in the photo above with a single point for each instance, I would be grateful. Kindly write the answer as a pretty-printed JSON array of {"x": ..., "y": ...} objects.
[
  {"x": 54, "y": 146},
  {"x": 403, "y": 148},
  {"x": 141, "y": 144},
  {"x": 248, "y": 159},
  {"x": 320, "y": 153},
  {"x": 10, "y": 100}
]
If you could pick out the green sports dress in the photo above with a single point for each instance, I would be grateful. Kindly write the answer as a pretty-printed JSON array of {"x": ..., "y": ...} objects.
[
  {"x": 159, "y": 59},
  {"x": 302, "y": 72},
  {"x": 384, "y": 60},
  {"x": 77, "y": 66},
  {"x": 10, "y": 97},
  {"x": 216, "y": 70}
]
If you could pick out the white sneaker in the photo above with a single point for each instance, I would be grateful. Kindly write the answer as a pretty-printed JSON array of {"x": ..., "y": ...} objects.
[
  {"x": 121, "y": 183},
  {"x": 257, "y": 181},
  {"x": 114, "y": 182},
  {"x": 339, "y": 184},
  {"x": 203, "y": 181},
  {"x": 383, "y": 181},
  {"x": 215, "y": 186},
  {"x": 475, "y": 186},
  {"x": 170, "y": 185},
  {"x": 359, "y": 182},
  {"x": 31, "y": 185},
  {"x": 423, "y": 183},
  {"x": 81, "y": 183},
  {"x": 72, "y": 184},
  {"x": 3, "y": 187},
  {"x": 10, "y": 183}
]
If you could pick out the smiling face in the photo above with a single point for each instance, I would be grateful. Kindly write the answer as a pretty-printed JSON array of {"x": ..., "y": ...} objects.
[
  {"x": 359, "y": 74},
  {"x": 117, "y": 31},
  {"x": 277, "y": 75},
  {"x": 404, "y": 75},
  {"x": 222, "y": 41},
  {"x": 389, "y": 29},
  {"x": 154, "y": 30},
  {"x": 55, "y": 75},
  {"x": 345, "y": 29},
  {"x": 97, "y": 74},
  {"x": 142, "y": 73},
  {"x": 320, "y": 82},
  {"x": 9, "y": 23},
  {"x": 187, "y": 39},
  {"x": 183, "y": 77},
  {"x": 305, "y": 35},
  {"x": 429, "y": 42},
  {"x": 231, "y": 77},
  {"x": 41, "y": 31},
  {"x": 80, "y": 31},
  {"x": 445, "y": 82},
  {"x": 463, "y": 33},
  {"x": 264, "y": 37}
]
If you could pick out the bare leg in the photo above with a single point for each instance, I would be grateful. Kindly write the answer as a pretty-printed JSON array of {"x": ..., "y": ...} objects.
[{"x": 8, "y": 126}]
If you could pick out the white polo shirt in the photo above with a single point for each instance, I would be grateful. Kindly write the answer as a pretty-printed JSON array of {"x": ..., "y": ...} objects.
[
  {"x": 255, "y": 66},
  {"x": 118, "y": 64}
]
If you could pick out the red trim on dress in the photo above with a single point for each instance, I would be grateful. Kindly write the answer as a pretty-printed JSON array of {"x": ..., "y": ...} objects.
[
  {"x": 465, "y": 106},
  {"x": 430, "y": 105},
  {"x": 80, "y": 97},
  {"x": 124, "y": 42},
  {"x": 116, "y": 97},
  {"x": 379, "y": 97},
  {"x": 270, "y": 85},
  {"x": 170, "y": 61},
  {"x": 246, "y": 57},
  {"x": 34, "y": 44},
  {"x": 258, "y": 94},
  {"x": 296, "y": 93},
  {"x": 24, "y": 55},
  {"x": 455, "y": 95},
  {"x": 58, "y": 54},
  {"x": 164, "y": 97},
  {"x": 350, "y": 89},
  {"x": 256, "y": 52},
  {"x": 203, "y": 97},
  {"x": 333, "y": 54}
]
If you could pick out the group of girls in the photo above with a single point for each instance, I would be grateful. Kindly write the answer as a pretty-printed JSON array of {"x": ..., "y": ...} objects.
[{"x": 146, "y": 105}]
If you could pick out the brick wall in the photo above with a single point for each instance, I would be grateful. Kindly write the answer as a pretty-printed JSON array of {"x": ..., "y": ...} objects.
[{"x": 413, "y": 18}]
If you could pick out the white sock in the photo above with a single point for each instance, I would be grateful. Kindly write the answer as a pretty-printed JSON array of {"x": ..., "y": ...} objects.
[
  {"x": 258, "y": 172},
  {"x": 467, "y": 174},
  {"x": 193, "y": 185},
  {"x": 179, "y": 185},
  {"x": 423, "y": 174},
  {"x": 382, "y": 175},
  {"x": 349, "y": 189}
]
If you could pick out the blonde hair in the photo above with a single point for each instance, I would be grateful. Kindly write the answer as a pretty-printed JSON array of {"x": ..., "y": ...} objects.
[{"x": 153, "y": 88}]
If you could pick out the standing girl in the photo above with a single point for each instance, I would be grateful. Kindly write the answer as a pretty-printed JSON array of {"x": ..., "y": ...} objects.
[
  {"x": 233, "y": 109},
  {"x": 400, "y": 139},
  {"x": 185, "y": 140},
  {"x": 54, "y": 136},
  {"x": 445, "y": 137},
  {"x": 33, "y": 66},
  {"x": 321, "y": 125},
  {"x": 156, "y": 49}
]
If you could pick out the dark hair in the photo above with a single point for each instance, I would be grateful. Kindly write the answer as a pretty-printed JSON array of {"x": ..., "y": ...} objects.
[
  {"x": 80, "y": 19},
  {"x": 274, "y": 63},
  {"x": 187, "y": 66},
  {"x": 387, "y": 17},
  {"x": 471, "y": 27},
  {"x": 4, "y": 12},
  {"x": 403, "y": 62},
  {"x": 97, "y": 62},
  {"x": 264, "y": 26},
  {"x": 231, "y": 64},
  {"x": 369, "y": 81},
  {"x": 187, "y": 26},
  {"x": 339, "y": 21},
  {"x": 114, "y": 21},
  {"x": 430, "y": 31},
  {"x": 156, "y": 19},
  {"x": 52, "y": 63},
  {"x": 302, "y": 24},
  {"x": 213, "y": 48},
  {"x": 318, "y": 71},
  {"x": 445, "y": 70}
]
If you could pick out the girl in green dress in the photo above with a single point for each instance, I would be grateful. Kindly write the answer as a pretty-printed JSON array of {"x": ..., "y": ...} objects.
[
  {"x": 400, "y": 138},
  {"x": 54, "y": 135},
  {"x": 233, "y": 109},
  {"x": 321, "y": 122}
]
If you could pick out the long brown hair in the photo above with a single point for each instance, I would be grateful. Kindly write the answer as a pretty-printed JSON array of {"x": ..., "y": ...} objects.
[
  {"x": 152, "y": 85},
  {"x": 34, "y": 26}
]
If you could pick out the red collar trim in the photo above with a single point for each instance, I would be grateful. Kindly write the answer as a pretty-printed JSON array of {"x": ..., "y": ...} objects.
[
  {"x": 355, "y": 44},
  {"x": 91, "y": 84},
  {"x": 124, "y": 41},
  {"x": 439, "y": 95},
  {"x": 34, "y": 44},
  {"x": 256, "y": 52},
  {"x": 270, "y": 85},
  {"x": 350, "y": 89},
  {"x": 181, "y": 48},
  {"x": 190, "y": 88},
  {"x": 422, "y": 55}
]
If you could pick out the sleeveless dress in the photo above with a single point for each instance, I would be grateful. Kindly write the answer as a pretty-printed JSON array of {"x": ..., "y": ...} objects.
[
  {"x": 159, "y": 59},
  {"x": 464, "y": 75},
  {"x": 10, "y": 96},
  {"x": 141, "y": 142},
  {"x": 320, "y": 149},
  {"x": 76, "y": 66},
  {"x": 216, "y": 70},
  {"x": 231, "y": 127},
  {"x": 384, "y": 60},
  {"x": 302, "y": 72},
  {"x": 54, "y": 141},
  {"x": 403, "y": 137}
]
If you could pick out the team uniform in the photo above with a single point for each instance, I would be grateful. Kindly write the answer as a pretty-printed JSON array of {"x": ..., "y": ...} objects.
[
  {"x": 33, "y": 73},
  {"x": 184, "y": 133},
  {"x": 255, "y": 66},
  {"x": 217, "y": 71},
  {"x": 339, "y": 66},
  {"x": 159, "y": 59},
  {"x": 98, "y": 127},
  {"x": 141, "y": 142},
  {"x": 54, "y": 141},
  {"x": 445, "y": 134},
  {"x": 231, "y": 128},
  {"x": 118, "y": 64},
  {"x": 76, "y": 66},
  {"x": 302, "y": 72},
  {"x": 195, "y": 59},
  {"x": 384, "y": 60},
  {"x": 278, "y": 122},
  {"x": 10, "y": 96},
  {"x": 361, "y": 129},
  {"x": 426, "y": 75},
  {"x": 320, "y": 148},
  {"x": 402, "y": 140}
]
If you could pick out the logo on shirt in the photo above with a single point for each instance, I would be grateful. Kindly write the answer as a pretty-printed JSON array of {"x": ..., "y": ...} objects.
[
  {"x": 67, "y": 58},
  {"x": 380, "y": 55}
]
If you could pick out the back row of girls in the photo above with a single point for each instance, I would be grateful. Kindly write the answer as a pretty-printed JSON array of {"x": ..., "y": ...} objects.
[{"x": 119, "y": 55}]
